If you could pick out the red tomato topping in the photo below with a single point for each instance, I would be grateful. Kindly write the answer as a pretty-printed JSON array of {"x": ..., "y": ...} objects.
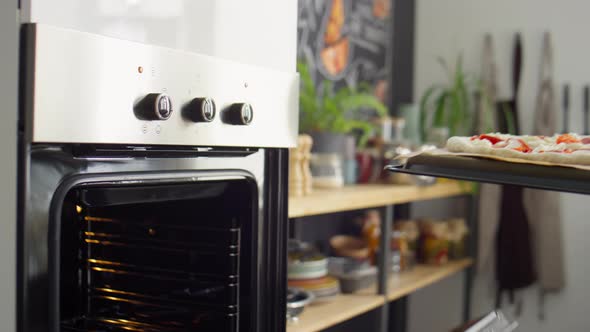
[
  {"x": 567, "y": 138},
  {"x": 563, "y": 151},
  {"x": 523, "y": 147},
  {"x": 586, "y": 140},
  {"x": 499, "y": 145},
  {"x": 490, "y": 138}
]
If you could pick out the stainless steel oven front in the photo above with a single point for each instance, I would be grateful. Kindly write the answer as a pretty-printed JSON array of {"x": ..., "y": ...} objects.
[{"x": 152, "y": 187}]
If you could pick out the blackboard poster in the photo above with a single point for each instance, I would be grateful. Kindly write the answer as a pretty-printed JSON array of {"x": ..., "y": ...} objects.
[{"x": 346, "y": 42}]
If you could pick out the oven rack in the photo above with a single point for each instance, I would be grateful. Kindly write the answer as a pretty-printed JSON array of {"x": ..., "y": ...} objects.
[{"x": 555, "y": 178}]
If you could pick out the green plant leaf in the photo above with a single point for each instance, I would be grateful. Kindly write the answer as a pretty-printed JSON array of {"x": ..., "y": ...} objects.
[
  {"x": 445, "y": 66},
  {"x": 425, "y": 110},
  {"x": 359, "y": 101},
  {"x": 322, "y": 109},
  {"x": 509, "y": 116},
  {"x": 364, "y": 127},
  {"x": 306, "y": 80},
  {"x": 364, "y": 87},
  {"x": 439, "y": 112},
  {"x": 450, "y": 105}
]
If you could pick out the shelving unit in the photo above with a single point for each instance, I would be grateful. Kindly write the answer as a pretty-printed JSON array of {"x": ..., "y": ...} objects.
[
  {"x": 365, "y": 196},
  {"x": 422, "y": 276},
  {"x": 323, "y": 315},
  {"x": 319, "y": 316},
  {"x": 402, "y": 284},
  {"x": 390, "y": 287}
]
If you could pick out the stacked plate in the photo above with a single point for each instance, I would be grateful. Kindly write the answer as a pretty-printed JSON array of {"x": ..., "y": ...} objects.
[
  {"x": 308, "y": 270},
  {"x": 324, "y": 288}
]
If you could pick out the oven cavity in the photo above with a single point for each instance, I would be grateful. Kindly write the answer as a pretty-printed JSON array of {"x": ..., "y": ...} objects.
[{"x": 175, "y": 257}]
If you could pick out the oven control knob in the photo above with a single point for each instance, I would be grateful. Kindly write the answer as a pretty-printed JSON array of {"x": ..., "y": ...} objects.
[
  {"x": 240, "y": 114},
  {"x": 200, "y": 110},
  {"x": 154, "y": 106}
]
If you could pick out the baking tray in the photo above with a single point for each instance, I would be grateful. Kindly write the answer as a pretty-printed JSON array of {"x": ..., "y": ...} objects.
[{"x": 557, "y": 178}]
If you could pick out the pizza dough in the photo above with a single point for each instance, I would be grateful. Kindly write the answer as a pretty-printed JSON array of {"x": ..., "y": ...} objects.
[{"x": 558, "y": 149}]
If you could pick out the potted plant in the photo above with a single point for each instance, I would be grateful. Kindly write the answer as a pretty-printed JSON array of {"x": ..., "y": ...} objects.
[
  {"x": 448, "y": 109},
  {"x": 327, "y": 115}
]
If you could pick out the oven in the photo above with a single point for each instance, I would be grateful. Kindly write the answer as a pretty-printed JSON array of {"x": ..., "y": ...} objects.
[{"x": 152, "y": 187}]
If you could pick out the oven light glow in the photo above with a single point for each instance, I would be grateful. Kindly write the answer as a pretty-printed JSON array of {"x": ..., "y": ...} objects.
[
  {"x": 90, "y": 218},
  {"x": 78, "y": 209}
]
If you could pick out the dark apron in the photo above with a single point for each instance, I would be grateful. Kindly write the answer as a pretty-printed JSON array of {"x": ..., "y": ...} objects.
[{"x": 514, "y": 256}]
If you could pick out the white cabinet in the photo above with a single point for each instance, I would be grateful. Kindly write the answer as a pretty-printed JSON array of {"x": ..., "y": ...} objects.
[{"x": 258, "y": 32}]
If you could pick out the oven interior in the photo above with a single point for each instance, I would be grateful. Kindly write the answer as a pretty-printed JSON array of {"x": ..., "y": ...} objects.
[{"x": 166, "y": 257}]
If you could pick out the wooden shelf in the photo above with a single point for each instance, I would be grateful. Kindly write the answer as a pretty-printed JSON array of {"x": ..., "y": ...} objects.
[
  {"x": 402, "y": 284},
  {"x": 320, "y": 316},
  {"x": 421, "y": 276},
  {"x": 368, "y": 196}
]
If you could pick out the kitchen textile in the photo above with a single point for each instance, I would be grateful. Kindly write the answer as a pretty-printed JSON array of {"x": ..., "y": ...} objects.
[
  {"x": 514, "y": 257},
  {"x": 543, "y": 207},
  {"x": 489, "y": 194}
]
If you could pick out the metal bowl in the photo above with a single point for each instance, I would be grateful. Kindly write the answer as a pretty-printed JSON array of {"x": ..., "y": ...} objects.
[{"x": 297, "y": 299}]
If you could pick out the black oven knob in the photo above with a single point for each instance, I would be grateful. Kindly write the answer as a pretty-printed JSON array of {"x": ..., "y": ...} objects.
[
  {"x": 154, "y": 106},
  {"x": 200, "y": 110},
  {"x": 239, "y": 114}
]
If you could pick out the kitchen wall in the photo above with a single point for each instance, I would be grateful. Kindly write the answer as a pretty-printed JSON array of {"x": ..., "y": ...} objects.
[
  {"x": 8, "y": 109},
  {"x": 451, "y": 27}
]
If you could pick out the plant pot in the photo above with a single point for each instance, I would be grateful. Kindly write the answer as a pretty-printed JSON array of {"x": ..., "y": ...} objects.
[{"x": 326, "y": 142}]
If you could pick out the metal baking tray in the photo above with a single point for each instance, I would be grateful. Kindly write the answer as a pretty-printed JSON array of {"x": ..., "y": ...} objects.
[{"x": 557, "y": 178}]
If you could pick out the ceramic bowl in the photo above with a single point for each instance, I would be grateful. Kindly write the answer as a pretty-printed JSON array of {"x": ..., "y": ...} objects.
[
  {"x": 349, "y": 246},
  {"x": 297, "y": 299}
]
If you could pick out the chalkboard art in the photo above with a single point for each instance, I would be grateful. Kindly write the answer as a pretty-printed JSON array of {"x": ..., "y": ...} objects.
[{"x": 345, "y": 41}]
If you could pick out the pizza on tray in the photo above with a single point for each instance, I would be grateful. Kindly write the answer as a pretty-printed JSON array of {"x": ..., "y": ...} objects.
[{"x": 569, "y": 149}]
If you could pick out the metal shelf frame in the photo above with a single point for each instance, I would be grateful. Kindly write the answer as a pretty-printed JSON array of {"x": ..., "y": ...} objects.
[{"x": 393, "y": 314}]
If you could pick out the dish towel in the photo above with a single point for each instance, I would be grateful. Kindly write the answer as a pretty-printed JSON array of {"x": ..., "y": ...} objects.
[
  {"x": 543, "y": 207},
  {"x": 489, "y": 194}
]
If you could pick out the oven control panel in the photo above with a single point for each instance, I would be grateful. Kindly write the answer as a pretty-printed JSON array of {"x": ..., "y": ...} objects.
[
  {"x": 154, "y": 106},
  {"x": 88, "y": 88},
  {"x": 200, "y": 110}
]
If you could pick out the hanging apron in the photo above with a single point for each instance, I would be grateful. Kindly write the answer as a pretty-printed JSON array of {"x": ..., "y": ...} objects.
[
  {"x": 542, "y": 206},
  {"x": 514, "y": 256},
  {"x": 489, "y": 194}
]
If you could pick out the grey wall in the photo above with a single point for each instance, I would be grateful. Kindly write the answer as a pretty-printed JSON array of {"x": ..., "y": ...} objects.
[
  {"x": 447, "y": 28},
  {"x": 8, "y": 111}
]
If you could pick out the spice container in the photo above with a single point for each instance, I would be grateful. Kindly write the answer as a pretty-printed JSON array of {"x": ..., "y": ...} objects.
[
  {"x": 458, "y": 232},
  {"x": 326, "y": 169},
  {"x": 434, "y": 242},
  {"x": 372, "y": 232},
  {"x": 402, "y": 258},
  {"x": 411, "y": 230}
]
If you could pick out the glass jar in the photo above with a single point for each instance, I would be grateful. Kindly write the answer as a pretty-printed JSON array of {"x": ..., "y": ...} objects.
[{"x": 326, "y": 170}]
